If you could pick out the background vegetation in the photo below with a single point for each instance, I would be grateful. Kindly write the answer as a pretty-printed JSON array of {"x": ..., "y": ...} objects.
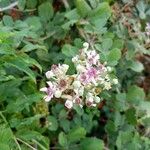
[{"x": 34, "y": 34}]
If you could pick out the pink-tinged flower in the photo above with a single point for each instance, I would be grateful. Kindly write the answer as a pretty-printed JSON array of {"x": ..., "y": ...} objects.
[
  {"x": 92, "y": 57},
  {"x": 101, "y": 68},
  {"x": 92, "y": 72},
  {"x": 62, "y": 84},
  {"x": 59, "y": 70},
  {"x": 84, "y": 78},
  {"x": 147, "y": 29},
  {"x": 69, "y": 104},
  {"x": 50, "y": 90}
]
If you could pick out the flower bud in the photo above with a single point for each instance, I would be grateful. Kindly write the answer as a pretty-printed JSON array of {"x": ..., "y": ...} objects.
[
  {"x": 76, "y": 84},
  {"x": 115, "y": 81},
  {"x": 97, "y": 99},
  {"x": 58, "y": 94},
  {"x": 109, "y": 69},
  {"x": 49, "y": 74},
  {"x": 86, "y": 45},
  {"x": 69, "y": 104}
]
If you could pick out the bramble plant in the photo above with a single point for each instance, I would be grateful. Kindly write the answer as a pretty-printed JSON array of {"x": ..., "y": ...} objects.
[
  {"x": 89, "y": 59},
  {"x": 83, "y": 87}
]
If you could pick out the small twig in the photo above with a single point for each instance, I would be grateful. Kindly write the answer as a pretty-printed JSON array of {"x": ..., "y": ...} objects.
[
  {"x": 9, "y": 7},
  {"x": 19, "y": 148},
  {"x": 27, "y": 10}
]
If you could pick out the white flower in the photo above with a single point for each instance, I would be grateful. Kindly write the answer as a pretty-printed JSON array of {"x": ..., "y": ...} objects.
[
  {"x": 76, "y": 84},
  {"x": 49, "y": 74},
  {"x": 81, "y": 91},
  {"x": 75, "y": 59},
  {"x": 109, "y": 69},
  {"x": 80, "y": 68},
  {"x": 69, "y": 104},
  {"x": 107, "y": 77},
  {"x": 44, "y": 89},
  {"x": 58, "y": 93},
  {"x": 115, "y": 81},
  {"x": 65, "y": 68},
  {"x": 107, "y": 85},
  {"x": 86, "y": 45},
  {"x": 97, "y": 99}
]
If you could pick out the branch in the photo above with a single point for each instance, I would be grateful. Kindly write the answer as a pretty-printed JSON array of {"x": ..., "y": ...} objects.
[{"x": 9, "y": 7}]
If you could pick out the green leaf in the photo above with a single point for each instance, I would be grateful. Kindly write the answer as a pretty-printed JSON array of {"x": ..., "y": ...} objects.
[
  {"x": 23, "y": 102},
  {"x": 34, "y": 23},
  {"x": 19, "y": 64},
  {"x": 79, "y": 110},
  {"x": 53, "y": 124},
  {"x": 30, "y": 47},
  {"x": 76, "y": 134},
  {"x": 103, "y": 10},
  {"x": 113, "y": 57},
  {"x": 131, "y": 116},
  {"x": 22, "y": 4},
  {"x": 45, "y": 11},
  {"x": 118, "y": 43},
  {"x": 4, "y": 146},
  {"x": 107, "y": 44},
  {"x": 62, "y": 139},
  {"x": 5, "y": 134},
  {"x": 135, "y": 94},
  {"x": 8, "y": 21},
  {"x": 136, "y": 66},
  {"x": 72, "y": 15},
  {"x": 83, "y": 8},
  {"x": 69, "y": 50},
  {"x": 92, "y": 144},
  {"x": 31, "y": 4}
]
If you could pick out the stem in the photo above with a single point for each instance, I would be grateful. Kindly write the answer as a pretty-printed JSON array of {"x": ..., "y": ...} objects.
[
  {"x": 9, "y": 7},
  {"x": 26, "y": 144},
  {"x": 42, "y": 147}
]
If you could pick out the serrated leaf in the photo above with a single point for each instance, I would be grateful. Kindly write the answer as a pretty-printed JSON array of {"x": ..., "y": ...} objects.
[
  {"x": 45, "y": 11},
  {"x": 136, "y": 66},
  {"x": 34, "y": 23},
  {"x": 91, "y": 144},
  {"x": 69, "y": 50},
  {"x": 135, "y": 94},
  {"x": 76, "y": 134},
  {"x": 103, "y": 10},
  {"x": 53, "y": 123},
  {"x": 30, "y": 47},
  {"x": 20, "y": 65},
  {"x": 83, "y": 8},
  {"x": 62, "y": 139},
  {"x": 131, "y": 116},
  {"x": 72, "y": 15},
  {"x": 113, "y": 57},
  {"x": 8, "y": 21},
  {"x": 31, "y": 4},
  {"x": 107, "y": 44}
]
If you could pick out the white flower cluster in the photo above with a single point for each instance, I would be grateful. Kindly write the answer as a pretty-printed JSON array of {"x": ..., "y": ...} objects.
[{"x": 83, "y": 87}]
